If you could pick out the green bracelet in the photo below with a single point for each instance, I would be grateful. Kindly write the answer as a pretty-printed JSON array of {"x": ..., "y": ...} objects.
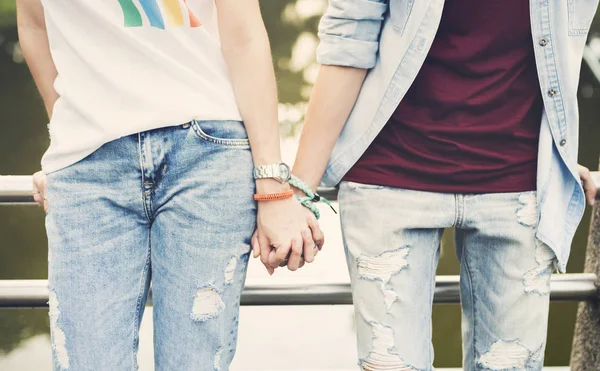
[
  {"x": 311, "y": 197},
  {"x": 306, "y": 202}
]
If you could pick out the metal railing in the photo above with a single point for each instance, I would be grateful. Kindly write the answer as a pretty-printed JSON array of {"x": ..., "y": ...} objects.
[
  {"x": 34, "y": 293},
  {"x": 16, "y": 189},
  {"x": 566, "y": 287}
]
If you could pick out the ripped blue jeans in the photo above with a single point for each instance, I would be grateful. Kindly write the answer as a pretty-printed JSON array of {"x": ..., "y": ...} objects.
[
  {"x": 172, "y": 207},
  {"x": 392, "y": 239}
]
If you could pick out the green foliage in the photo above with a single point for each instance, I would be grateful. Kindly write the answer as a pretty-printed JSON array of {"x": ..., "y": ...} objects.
[
  {"x": 8, "y": 13},
  {"x": 8, "y": 6},
  {"x": 283, "y": 36}
]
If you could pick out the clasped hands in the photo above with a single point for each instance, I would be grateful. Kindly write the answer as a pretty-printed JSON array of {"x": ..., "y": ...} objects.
[{"x": 287, "y": 234}]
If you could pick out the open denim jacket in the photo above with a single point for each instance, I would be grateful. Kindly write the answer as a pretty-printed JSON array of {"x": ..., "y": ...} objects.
[{"x": 391, "y": 38}]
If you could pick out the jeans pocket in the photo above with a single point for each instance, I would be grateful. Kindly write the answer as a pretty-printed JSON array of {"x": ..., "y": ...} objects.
[
  {"x": 400, "y": 11},
  {"x": 222, "y": 132},
  {"x": 581, "y": 14},
  {"x": 355, "y": 185}
]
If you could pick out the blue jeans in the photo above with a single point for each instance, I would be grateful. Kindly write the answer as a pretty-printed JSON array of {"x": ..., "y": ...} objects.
[
  {"x": 392, "y": 239},
  {"x": 171, "y": 206}
]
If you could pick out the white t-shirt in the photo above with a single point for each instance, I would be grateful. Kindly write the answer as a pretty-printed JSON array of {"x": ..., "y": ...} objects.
[{"x": 126, "y": 66}]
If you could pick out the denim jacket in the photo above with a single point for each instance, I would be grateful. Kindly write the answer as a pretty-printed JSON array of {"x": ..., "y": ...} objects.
[{"x": 391, "y": 38}]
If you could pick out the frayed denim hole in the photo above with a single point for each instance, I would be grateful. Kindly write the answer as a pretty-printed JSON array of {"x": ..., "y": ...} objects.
[
  {"x": 537, "y": 279},
  {"x": 527, "y": 213},
  {"x": 59, "y": 340},
  {"x": 230, "y": 270},
  {"x": 510, "y": 355},
  {"x": 382, "y": 355},
  {"x": 383, "y": 267},
  {"x": 207, "y": 304}
]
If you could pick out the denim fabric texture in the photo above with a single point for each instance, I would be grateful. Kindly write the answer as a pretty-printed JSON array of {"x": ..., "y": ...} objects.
[
  {"x": 504, "y": 275},
  {"x": 170, "y": 207}
]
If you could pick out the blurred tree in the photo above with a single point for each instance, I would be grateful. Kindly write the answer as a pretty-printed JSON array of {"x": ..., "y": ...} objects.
[
  {"x": 7, "y": 12},
  {"x": 283, "y": 35}
]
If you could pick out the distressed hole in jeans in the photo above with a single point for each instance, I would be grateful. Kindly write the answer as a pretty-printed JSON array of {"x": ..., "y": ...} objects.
[
  {"x": 537, "y": 279},
  {"x": 59, "y": 340},
  {"x": 389, "y": 297},
  {"x": 207, "y": 304},
  {"x": 510, "y": 355},
  {"x": 382, "y": 268},
  {"x": 217, "y": 361},
  {"x": 382, "y": 355},
  {"x": 527, "y": 213},
  {"x": 230, "y": 270}
]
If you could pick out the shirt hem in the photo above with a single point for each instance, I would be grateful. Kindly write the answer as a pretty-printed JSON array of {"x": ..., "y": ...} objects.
[
  {"x": 62, "y": 161},
  {"x": 442, "y": 187}
]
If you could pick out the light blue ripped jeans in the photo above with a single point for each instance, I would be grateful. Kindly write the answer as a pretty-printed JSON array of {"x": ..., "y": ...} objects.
[
  {"x": 392, "y": 238},
  {"x": 171, "y": 206}
]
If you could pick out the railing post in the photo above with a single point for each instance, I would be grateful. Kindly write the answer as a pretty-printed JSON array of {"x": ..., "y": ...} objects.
[{"x": 585, "y": 355}]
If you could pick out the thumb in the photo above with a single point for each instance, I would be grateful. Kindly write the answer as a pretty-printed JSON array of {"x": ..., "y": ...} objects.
[{"x": 255, "y": 245}]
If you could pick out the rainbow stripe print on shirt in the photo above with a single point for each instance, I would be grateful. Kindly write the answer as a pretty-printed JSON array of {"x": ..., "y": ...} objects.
[{"x": 174, "y": 13}]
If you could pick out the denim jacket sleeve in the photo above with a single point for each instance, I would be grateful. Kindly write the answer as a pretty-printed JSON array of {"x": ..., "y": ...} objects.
[{"x": 349, "y": 33}]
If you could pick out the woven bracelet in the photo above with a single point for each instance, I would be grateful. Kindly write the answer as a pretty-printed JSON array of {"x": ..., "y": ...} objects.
[
  {"x": 311, "y": 197},
  {"x": 274, "y": 196}
]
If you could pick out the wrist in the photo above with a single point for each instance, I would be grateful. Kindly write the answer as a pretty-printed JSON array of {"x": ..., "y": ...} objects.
[
  {"x": 298, "y": 192},
  {"x": 269, "y": 185},
  {"x": 312, "y": 185},
  {"x": 261, "y": 159}
]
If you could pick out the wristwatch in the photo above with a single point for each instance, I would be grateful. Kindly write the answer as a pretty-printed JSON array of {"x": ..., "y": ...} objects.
[{"x": 280, "y": 172}]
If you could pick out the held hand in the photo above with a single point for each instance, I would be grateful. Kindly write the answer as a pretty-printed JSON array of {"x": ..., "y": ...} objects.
[
  {"x": 313, "y": 241},
  {"x": 39, "y": 190},
  {"x": 588, "y": 185},
  {"x": 286, "y": 235}
]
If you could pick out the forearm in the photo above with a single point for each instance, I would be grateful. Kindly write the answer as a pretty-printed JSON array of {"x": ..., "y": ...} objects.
[
  {"x": 253, "y": 77},
  {"x": 246, "y": 49},
  {"x": 33, "y": 39},
  {"x": 331, "y": 102}
]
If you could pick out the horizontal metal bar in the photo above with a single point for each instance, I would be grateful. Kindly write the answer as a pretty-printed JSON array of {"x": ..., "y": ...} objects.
[
  {"x": 591, "y": 58},
  {"x": 16, "y": 189},
  {"x": 565, "y": 287}
]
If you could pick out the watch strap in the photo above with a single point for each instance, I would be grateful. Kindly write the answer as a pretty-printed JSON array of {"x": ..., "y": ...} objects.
[
  {"x": 266, "y": 171},
  {"x": 280, "y": 172}
]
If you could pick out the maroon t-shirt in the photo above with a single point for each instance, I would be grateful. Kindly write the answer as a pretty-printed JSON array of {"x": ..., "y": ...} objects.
[{"x": 470, "y": 122}]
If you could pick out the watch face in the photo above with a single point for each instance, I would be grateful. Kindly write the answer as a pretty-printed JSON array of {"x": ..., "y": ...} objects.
[{"x": 284, "y": 172}]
